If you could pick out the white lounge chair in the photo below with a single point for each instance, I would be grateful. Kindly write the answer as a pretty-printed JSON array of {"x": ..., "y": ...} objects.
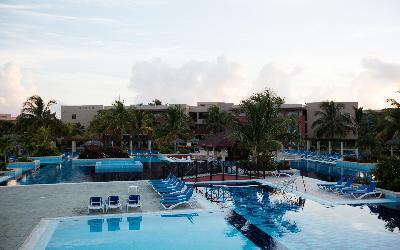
[
  {"x": 96, "y": 203},
  {"x": 134, "y": 199},
  {"x": 113, "y": 202}
]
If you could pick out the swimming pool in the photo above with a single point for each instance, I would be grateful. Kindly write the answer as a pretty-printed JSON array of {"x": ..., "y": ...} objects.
[
  {"x": 322, "y": 171},
  {"x": 193, "y": 230},
  {"x": 69, "y": 173},
  {"x": 305, "y": 224}
]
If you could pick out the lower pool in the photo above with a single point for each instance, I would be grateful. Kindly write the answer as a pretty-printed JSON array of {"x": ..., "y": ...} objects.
[
  {"x": 194, "y": 230},
  {"x": 304, "y": 224}
]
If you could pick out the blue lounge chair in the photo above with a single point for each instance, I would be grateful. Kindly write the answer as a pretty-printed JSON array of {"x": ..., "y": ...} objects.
[
  {"x": 369, "y": 191},
  {"x": 179, "y": 194},
  {"x": 113, "y": 202},
  {"x": 95, "y": 203},
  {"x": 179, "y": 187},
  {"x": 167, "y": 184},
  {"x": 162, "y": 180},
  {"x": 336, "y": 187},
  {"x": 325, "y": 185},
  {"x": 350, "y": 189},
  {"x": 172, "y": 202}
]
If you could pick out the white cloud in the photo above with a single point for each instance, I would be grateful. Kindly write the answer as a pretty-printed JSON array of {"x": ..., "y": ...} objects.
[
  {"x": 193, "y": 81},
  {"x": 15, "y": 87},
  {"x": 377, "y": 81}
]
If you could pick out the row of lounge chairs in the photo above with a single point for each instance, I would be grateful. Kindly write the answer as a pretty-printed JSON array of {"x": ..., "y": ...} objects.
[
  {"x": 357, "y": 192},
  {"x": 114, "y": 201},
  {"x": 173, "y": 192}
]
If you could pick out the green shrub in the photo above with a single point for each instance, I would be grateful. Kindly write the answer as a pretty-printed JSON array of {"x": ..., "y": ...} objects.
[
  {"x": 166, "y": 150},
  {"x": 23, "y": 159},
  {"x": 283, "y": 165},
  {"x": 387, "y": 173},
  {"x": 45, "y": 151},
  {"x": 350, "y": 158},
  {"x": 97, "y": 152},
  {"x": 3, "y": 166},
  {"x": 184, "y": 151}
]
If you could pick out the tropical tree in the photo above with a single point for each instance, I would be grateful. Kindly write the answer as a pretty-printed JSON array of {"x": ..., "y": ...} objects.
[
  {"x": 6, "y": 146},
  {"x": 217, "y": 120},
  {"x": 391, "y": 129},
  {"x": 262, "y": 125},
  {"x": 332, "y": 121},
  {"x": 369, "y": 133},
  {"x": 173, "y": 124},
  {"x": 42, "y": 143},
  {"x": 142, "y": 124},
  {"x": 155, "y": 102},
  {"x": 115, "y": 121},
  {"x": 37, "y": 113}
]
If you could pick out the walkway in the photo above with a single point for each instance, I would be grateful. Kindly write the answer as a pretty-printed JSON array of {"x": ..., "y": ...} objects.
[{"x": 22, "y": 207}]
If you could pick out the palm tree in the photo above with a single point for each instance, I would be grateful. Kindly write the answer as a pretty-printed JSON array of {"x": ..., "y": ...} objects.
[
  {"x": 115, "y": 121},
  {"x": 141, "y": 124},
  {"x": 391, "y": 128},
  {"x": 358, "y": 119},
  {"x": 37, "y": 113},
  {"x": 6, "y": 146},
  {"x": 217, "y": 120},
  {"x": 173, "y": 124},
  {"x": 332, "y": 121},
  {"x": 263, "y": 123}
]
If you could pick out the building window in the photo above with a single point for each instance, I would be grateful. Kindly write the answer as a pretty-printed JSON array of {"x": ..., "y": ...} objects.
[{"x": 73, "y": 116}]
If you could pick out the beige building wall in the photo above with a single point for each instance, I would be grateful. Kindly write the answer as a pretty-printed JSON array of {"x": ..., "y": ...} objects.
[
  {"x": 82, "y": 114},
  {"x": 312, "y": 107}
]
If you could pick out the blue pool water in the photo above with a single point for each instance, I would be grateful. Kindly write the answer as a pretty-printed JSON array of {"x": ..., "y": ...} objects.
[
  {"x": 74, "y": 173},
  {"x": 199, "y": 230},
  {"x": 304, "y": 224},
  {"x": 322, "y": 171}
]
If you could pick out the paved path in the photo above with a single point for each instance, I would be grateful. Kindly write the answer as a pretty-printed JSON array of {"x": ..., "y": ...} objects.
[{"x": 22, "y": 207}]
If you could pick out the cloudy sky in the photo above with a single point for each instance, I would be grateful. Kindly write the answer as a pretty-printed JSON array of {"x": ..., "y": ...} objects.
[{"x": 92, "y": 52}]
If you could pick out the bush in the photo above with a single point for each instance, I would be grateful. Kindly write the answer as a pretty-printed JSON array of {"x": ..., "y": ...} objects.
[
  {"x": 46, "y": 151},
  {"x": 252, "y": 166},
  {"x": 350, "y": 158},
  {"x": 165, "y": 150},
  {"x": 96, "y": 152},
  {"x": 3, "y": 166},
  {"x": 387, "y": 173},
  {"x": 184, "y": 151},
  {"x": 23, "y": 159},
  {"x": 283, "y": 165}
]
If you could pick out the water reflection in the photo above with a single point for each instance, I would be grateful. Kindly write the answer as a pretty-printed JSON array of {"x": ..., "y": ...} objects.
[
  {"x": 134, "y": 223},
  {"x": 188, "y": 216},
  {"x": 95, "y": 225},
  {"x": 389, "y": 214},
  {"x": 113, "y": 224}
]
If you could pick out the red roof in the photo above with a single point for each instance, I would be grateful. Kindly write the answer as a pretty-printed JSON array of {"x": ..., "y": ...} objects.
[{"x": 218, "y": 140}]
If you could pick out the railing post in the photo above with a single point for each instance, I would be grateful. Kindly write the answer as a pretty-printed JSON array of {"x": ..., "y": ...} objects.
[
  {"x": 211, "y": 168},
  {"x": 197, "y": 168},
  {"x": 223, "y": 170}
]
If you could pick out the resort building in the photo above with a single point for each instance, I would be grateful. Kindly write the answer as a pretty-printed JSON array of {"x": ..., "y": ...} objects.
[
  {"x": 7, "y": 117},
  {"x": 305, "y": 114}
]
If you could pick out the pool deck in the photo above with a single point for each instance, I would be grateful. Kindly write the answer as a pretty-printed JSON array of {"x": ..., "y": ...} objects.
[
  {"x": 23, "y": 207},
  {"x": 307, "y": 188}
]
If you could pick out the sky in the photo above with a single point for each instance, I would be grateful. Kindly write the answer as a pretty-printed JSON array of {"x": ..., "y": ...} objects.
[{"x": 93, "y": 52}]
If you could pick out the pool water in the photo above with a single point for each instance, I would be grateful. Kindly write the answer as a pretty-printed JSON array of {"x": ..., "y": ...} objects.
[
  {"x": 196, "y": 230},
  {"x": 322, "y": 171},
  {"x": 304, "y": 224},
  {"x": 68, "y": 173}
]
